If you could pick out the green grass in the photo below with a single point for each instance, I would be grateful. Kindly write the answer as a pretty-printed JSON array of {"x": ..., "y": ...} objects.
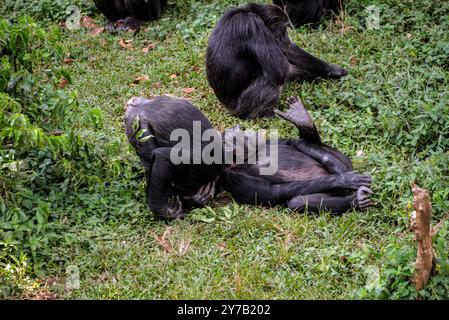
[{"x": 392, "y": 106}]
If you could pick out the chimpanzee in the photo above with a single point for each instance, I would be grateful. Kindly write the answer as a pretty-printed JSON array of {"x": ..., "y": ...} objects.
[
  {"x": 250, "y": 58},
  {"x": 129, "y": 14},
  {"x": 171, "y": 189},
  {"x": 302, "y": 12},
  {"x": 310, "y": 174}
]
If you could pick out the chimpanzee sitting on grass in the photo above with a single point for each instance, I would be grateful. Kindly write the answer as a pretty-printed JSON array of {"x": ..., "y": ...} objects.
[
  {"x": 250, "y": 58},
  {"x": 310, "y": 174}
]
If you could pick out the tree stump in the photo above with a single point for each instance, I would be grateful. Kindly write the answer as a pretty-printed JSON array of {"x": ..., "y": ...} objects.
[{"x": 421, "y": 227}]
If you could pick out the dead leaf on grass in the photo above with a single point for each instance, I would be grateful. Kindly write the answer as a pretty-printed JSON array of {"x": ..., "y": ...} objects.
[
  {"x": 163, "y": 240},
  {"x": 126, "y": 44}
]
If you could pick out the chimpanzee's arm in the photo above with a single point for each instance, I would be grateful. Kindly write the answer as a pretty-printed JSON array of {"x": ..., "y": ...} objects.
[{"x": 159, "y": 184}]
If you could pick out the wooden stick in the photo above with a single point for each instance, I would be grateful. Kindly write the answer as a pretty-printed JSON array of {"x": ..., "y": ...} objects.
[{"x": 420, "y": 224}]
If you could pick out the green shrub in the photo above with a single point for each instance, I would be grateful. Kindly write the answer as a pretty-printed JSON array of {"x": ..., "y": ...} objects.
[
  {"x": 45, "y": 151},
  {"x": 48, "y": 10}
]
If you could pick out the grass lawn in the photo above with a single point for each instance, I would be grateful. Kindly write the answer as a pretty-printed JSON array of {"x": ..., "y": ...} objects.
[{"x": 390, "y": 115}]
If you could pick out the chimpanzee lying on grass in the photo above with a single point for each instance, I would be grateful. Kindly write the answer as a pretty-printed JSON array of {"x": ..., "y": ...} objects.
[{"x": 310, "y": 174}]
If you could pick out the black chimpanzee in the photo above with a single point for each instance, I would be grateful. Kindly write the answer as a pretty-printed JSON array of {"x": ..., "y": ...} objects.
[
  {"x": 129, "y": 14},
  {"x": 301, "y": 12},
  {"x": 250, "y": 57},
  {"x": 309, "y": 173},
  {"x": 171, "y": 189}
]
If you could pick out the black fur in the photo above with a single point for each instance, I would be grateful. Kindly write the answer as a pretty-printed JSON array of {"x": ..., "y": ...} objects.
[
  {"x": 250, "y": 57},
  {"x": 308, "y": 11},
  {"x": 171, "y": 189},
  {"x": 129, "y": 13},
  {"x": 310, "y": 174}
]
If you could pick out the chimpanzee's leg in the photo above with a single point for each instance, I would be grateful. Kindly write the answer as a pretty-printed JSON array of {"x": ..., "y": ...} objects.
[
  {"x": 250, "y": 189},
  {"x": 315, "y": 202},
  {"x": 159, "y": 186},
  {"x": 258, "y": 100},
  {"x": 301, "y": 118},
  {"x": 332, "y": 160},
  {"x": 303, "y": 65}
]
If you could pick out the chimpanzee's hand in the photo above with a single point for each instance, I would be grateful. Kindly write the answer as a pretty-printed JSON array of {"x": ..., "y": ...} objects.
[
  {"x": 174, "y": 209},
  {"x": 204, "y": 194}
]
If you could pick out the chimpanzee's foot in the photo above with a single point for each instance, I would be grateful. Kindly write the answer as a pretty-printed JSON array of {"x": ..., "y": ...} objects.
[
  {"x": 296, "y": 113},
  {"x": 362, "y": 201},
  {"x": 128, "y": 24},
  {"x": 354, "y": 181},
  {"x": 336, "y": 72}
]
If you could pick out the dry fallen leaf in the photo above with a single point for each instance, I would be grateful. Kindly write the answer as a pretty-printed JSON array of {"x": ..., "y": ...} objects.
[
  {"x": 163, "y": 241},
  {"x": 148, "y": 47},
  {"x": 88, "y": 22},
  {"x": 63, "y": 83},
  {"x": 184, "y": 246},
  {"x": 288, "y": 240},
  {"x": 126, "y": 44},
  {"x": 157, "y": 85},
  {"x": 188, "y": 90},
  {"x": 68, "y": 60},
  {"x": 96, "y": 31},
  {"x": 140, "y": 79},
  {"x": 173, "y": 76}
]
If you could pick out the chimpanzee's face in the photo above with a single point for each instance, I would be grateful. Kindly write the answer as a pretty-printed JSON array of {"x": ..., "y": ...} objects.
[{"x": 278, "y": 23}]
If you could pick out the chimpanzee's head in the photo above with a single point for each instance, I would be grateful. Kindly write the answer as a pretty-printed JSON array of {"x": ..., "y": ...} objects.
[{"x": 275, "y": 19}]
